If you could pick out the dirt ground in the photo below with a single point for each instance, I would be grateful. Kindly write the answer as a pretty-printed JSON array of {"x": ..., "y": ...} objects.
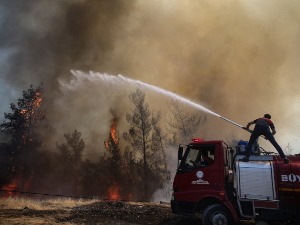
[{"x": 92, "y": 213}]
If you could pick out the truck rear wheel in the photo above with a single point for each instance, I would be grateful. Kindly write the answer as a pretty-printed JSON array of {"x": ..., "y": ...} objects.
[{"x": 215, "y": 214}]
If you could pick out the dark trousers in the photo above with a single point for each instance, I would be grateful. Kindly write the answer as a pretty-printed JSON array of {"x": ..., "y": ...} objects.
[{"x": 263, "y": 130}]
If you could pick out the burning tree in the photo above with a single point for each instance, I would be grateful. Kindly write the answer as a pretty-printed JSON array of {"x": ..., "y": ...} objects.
[
  {"x": 112, "y": 143},
  {"x": 140, "y": 137},
  {"x": 114, "y": 161},
  {"x": 22, "y": 126},
  {"x": 184, "y": 124},
  {"x": 121, "y": 171}
]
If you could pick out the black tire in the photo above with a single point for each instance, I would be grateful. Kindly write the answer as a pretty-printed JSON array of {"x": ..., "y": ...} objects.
[
  {"x": 259, "y": 222},
  {"x": 216, "y": 214},
  {"x": 295, "y": 222}
]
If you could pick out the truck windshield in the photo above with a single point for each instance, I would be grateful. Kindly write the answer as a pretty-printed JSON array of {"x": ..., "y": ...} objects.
[{"x": 198, "y": 156}]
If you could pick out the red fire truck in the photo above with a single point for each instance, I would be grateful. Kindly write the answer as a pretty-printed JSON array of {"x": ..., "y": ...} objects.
[{"x": 225, "y": 190}]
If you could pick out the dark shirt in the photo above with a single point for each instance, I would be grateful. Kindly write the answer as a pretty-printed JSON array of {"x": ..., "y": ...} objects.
[{"x": 264, "y": 122}]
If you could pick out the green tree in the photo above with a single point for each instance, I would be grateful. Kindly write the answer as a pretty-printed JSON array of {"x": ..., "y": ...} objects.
[
  {"x": 71, "y": 156},
  {"x": 94, "y": 180},
  {"x": 158, "y": 147},
  {"x": 184, "y": 124},
  {"x": 140, "y": 127},
  {"x": 22, "y": 126},
  {"x": 144, "y": 139}
]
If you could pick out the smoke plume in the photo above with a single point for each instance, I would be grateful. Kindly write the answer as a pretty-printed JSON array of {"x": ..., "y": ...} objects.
[{"x": 239, "y": 58}]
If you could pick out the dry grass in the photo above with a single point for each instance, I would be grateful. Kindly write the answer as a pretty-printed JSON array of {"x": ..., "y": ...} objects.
[
  {"x": 52, "y": 204},
  {"x": 67, "y": 211},
  {"x": 17, "y": 211}
]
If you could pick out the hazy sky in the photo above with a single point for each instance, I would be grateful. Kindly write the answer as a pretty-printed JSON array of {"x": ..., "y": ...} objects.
[{"x": 239, "y": 58}]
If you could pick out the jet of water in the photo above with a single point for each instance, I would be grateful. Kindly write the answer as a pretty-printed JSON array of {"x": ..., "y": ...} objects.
[{"x": 119, "y": 80}]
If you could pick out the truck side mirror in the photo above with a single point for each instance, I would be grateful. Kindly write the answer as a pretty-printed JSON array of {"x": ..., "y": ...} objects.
[{"x": 180, "y": 152}]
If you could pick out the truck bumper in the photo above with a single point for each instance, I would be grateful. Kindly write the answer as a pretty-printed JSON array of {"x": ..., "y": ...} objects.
[
  {"x": 174, "y": 207},
  {"x": 183, "y": 208}
]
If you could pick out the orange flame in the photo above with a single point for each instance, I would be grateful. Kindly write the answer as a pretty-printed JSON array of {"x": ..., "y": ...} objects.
[
  {"x": 11, "y": 188},
  {"x": 113, "y": 131},
  {"x": 32, "y": 107},
  {"x": 38, "y": 100},
  {"x": 114, "y": 192},
  {"x": 113, "y": 135}
]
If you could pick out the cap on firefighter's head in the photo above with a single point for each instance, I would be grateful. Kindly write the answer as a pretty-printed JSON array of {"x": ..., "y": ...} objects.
[{"x": 268, "y": 116}]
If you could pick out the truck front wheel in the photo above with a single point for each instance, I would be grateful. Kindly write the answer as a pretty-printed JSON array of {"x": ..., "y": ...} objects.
[
  {"x": 260, "y": 222},
  {"x": 215, "y": 214}
]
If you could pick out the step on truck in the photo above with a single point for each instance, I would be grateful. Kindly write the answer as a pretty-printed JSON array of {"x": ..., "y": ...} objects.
[{"x": 212, "y": 182}]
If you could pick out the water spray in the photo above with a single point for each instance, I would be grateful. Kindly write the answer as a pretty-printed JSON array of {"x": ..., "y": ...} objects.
[{"x": 120, "y": 80}]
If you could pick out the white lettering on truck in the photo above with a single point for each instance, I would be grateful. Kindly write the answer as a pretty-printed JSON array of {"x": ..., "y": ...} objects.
[{"x": 290, "y": 178}]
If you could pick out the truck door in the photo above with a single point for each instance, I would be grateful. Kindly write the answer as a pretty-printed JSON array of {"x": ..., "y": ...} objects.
[{"x": 198, "y": 174}]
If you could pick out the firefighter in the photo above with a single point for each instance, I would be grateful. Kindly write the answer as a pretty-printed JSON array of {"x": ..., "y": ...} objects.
[
  {"x": 207, "y": 160},
  {"x": 262, "y": 126},
  {"x": 204, "y": 160}
]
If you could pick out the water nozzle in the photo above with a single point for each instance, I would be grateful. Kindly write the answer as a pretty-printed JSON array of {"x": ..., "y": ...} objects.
[{"x": 230, "y": 121}]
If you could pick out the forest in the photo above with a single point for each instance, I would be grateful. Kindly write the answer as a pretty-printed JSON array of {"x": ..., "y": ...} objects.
[{"x": 133, "y": 167}]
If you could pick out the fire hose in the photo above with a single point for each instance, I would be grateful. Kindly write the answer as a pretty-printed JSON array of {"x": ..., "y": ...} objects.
[{"x": 232, "y": 122}]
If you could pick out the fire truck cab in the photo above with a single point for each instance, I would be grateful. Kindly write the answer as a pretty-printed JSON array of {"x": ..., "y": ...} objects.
[{"x": 212, "y": 182}]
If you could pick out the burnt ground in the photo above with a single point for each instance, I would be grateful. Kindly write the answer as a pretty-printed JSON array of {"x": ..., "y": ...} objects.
[
  {"x": 125, "y": 213},
  {"x": 102, "y": 213}
]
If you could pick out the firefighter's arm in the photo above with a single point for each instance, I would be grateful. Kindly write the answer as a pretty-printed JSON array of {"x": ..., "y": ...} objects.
[
  {"x": 273, "y": 130},
  {"x": 249, "y": 124}
]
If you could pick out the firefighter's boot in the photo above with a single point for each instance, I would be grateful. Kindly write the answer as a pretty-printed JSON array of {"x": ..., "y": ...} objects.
[
  {"x": 286, "y": 160},
  {"x": 245, "y": 159}
]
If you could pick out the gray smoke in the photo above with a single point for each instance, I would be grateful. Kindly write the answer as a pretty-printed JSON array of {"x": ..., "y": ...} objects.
[
  {"x": 42, "y": 40},
  {"x": 239, "y": 58}
]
